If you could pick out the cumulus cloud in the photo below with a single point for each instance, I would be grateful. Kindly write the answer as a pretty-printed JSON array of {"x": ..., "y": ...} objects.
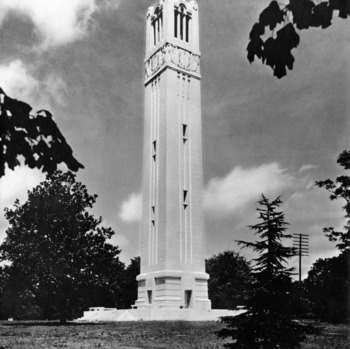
[
  {"x": 14, "y": 185},
  {"x": 131, "y": 209},
  {"x": 243, "y": 186},
  {"x": 18, "y": 81},
  {"x": 57, "y": 22}
]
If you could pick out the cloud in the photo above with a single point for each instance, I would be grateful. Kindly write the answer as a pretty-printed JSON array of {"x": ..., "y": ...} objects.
[
  {"x": 57, "y": 22},
  {"x": 312, "y": 210},
  {"x": 55, "y": 89},
  {"x": 119, "y": 240},
  {"x": 243, "y": 186},
  {"x": 18, "y": 82},
  {"x": 240, "y": 188},
  {"x": 14, "y": 185},
  {"x": 230, "y": 204},
  {"x": 306, "y": 168},
  {"x": 131, "y": 209}
]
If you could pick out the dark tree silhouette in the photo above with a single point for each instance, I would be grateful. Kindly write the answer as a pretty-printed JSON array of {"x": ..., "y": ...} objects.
[
  {"x": 230, "y": 280},
  {"x": 340, "y": 189},
  {"x": 129, "y": 287},
  {"x": 35, "y": 137},
  {"x": 16, "y": 300},
  {"x": 328, "y": 288},
  {"x": 276, "y": 50},
  {"x": 269, "y": 322},
  {"x": 58, "y": 248}
]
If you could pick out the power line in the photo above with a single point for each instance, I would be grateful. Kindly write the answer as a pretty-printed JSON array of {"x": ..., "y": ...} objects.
[{"x": 301, "y": 245}]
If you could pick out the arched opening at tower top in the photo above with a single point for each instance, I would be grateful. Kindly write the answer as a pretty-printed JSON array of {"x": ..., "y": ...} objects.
[
  {"x": 182, "y": 23},
  {"x": 157, "y": 26}
]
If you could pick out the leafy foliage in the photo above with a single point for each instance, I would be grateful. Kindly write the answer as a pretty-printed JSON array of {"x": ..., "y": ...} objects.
[
  {"x": 340, "y": 189},
  {"x": 276, "y": 51},
  {"x": 269, "y": 321},
  {"x": 328, "y": 288},
  {"x": 59, "y": 250},
  {"x": 230, "y": 280},
  {"x": 16, "y": 301},
  {"x": 37, "y": 138},
  {"x": 129, "y": 290}
]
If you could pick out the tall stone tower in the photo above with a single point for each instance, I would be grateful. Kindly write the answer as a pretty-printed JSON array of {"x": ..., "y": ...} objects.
[{"x": 172, "y": 233}]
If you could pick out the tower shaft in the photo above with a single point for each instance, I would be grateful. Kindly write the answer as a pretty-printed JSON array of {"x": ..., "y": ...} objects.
[{"x": 172, "y": 231}]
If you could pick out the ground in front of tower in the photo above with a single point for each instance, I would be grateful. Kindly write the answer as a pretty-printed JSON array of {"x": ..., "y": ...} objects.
[{"x": 134, "y": 335}]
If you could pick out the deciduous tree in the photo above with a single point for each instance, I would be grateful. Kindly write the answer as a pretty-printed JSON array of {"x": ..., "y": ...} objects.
[
  {"x": 16, "y": 300},
  {"x": 281, "y": 20},
  {"x": 328, "y": 288},
  {"x": 230, "y": 280},
  {"x": 35, "y": 137},
  {"x": 129, "y": 291},
  {"x": 328, "y": 282},
  {"x": 57, "y": 246},
  {"x": 340, "y": 189}
]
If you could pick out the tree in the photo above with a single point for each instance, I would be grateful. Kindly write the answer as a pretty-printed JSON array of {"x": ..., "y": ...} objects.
[
  {"x": 276, "y": 50},
  {"x": 129, "y": 292},
  {"x": 269, "y": 321},
  {"x": 230, "y": 280},
  {"x": 328, "y": 283},
  {"x": 328, "y": 288},
  {"x": 340, "y": 189},
  {"x": 35, "y": 137},
  {"x": 57, "y": 247},
  {"x": 16, "y": 301}
]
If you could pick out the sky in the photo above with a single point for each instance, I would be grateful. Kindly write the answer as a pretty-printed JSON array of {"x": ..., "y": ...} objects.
[{"x": 83, "y": 61}]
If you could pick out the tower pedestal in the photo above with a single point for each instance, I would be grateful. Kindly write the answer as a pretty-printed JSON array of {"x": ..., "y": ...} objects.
[
  {"x": 171, "y": 289},
  {"x": 155, "y": 314}
]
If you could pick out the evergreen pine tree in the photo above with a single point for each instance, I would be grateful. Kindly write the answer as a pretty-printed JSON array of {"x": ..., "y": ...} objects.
[{"x": 269, "y": 322}]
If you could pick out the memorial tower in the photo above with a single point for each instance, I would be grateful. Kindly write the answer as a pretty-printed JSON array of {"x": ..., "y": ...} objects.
[{"x": 172, "y": 230}]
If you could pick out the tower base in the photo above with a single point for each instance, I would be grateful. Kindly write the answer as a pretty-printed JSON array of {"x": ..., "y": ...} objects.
[
  {"x": 154, "y": 314},
  {"x": 175, "y": 290}
]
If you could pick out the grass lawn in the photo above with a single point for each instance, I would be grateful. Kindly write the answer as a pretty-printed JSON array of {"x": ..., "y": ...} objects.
[{"x": 131, "y": 335}]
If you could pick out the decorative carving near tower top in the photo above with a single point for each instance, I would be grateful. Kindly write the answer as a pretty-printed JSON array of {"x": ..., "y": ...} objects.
[
  {"x": 172, "y": 232},
  {"x": 172, "y": 56},
  {"x": 172, "y": 37}
]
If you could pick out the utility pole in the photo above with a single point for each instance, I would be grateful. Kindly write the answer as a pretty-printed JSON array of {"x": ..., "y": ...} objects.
[{"x": 301, "y": 245}]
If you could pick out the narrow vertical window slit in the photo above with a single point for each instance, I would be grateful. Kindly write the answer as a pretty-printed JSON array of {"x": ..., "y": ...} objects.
[
  {"x": 187, "y": 28},
  {"x": 158, "y": 30},
  {"x": 185, "y": 195},
  {"x": 181, "y": 26},
  {"x": 184, "y": 129},
  {"x": 175, "y": 23}
]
